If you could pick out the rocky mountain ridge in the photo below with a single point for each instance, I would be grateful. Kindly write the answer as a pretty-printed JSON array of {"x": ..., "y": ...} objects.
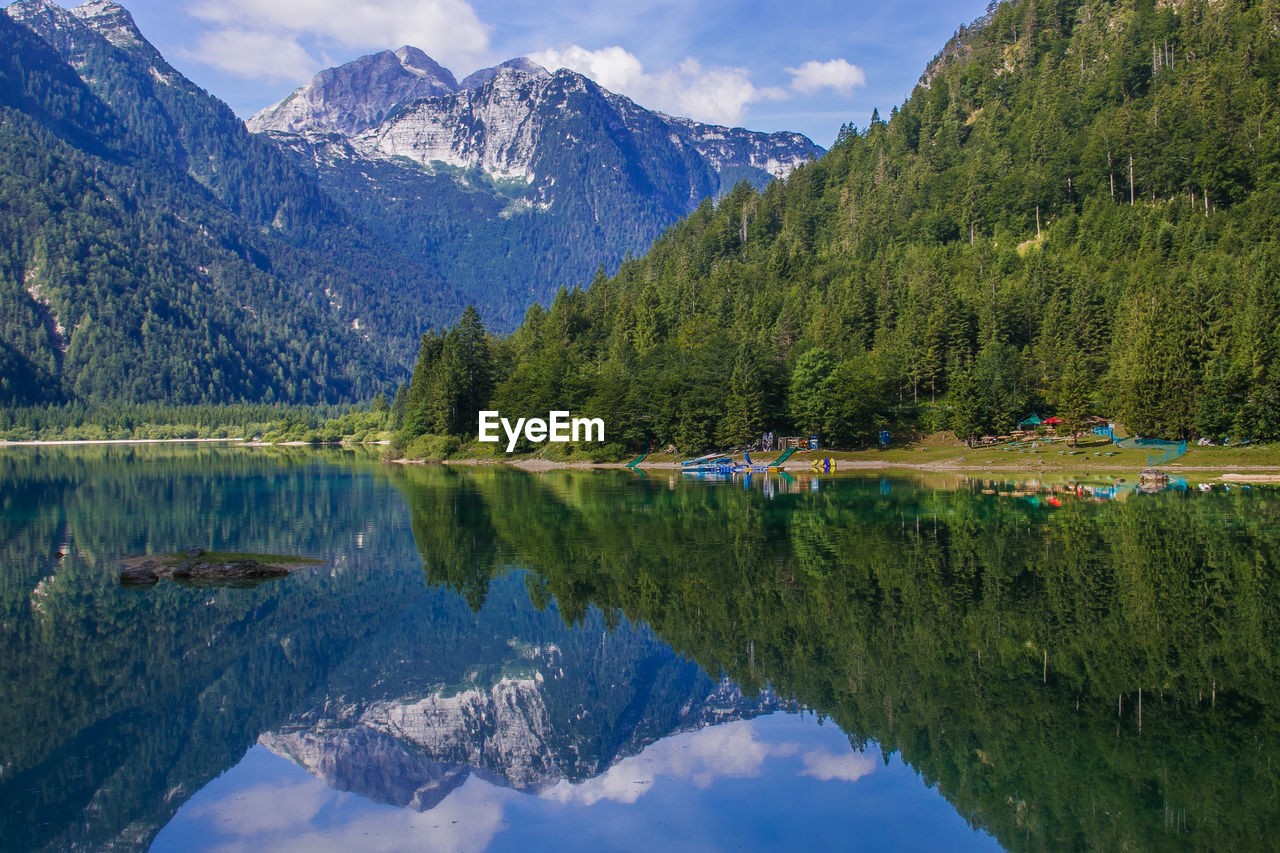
[
  {"x": 412, "y": 752},
  {"x": 358, "y": 95},
  {"x": 518, "y": 181},
  {"x": 403, "y": 104}
]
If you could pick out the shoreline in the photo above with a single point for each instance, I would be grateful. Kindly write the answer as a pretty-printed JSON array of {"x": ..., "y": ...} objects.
[
  {"x": 74, "y": 442},
  {"x": 243, "y": 442},
  {"x": 1228, "y": 473}
]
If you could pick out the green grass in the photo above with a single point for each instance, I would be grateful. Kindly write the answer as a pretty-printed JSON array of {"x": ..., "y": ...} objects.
[
  {"x": 1091, "y": 453},
  {"x": 1088, "y": 453},
  {"x": 1256, "y": 456}
]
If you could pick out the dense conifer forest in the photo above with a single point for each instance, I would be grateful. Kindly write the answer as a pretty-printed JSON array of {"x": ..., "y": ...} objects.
[
  {"x": 1075, "y": 209},
  {"x": 153, "y": 250}
]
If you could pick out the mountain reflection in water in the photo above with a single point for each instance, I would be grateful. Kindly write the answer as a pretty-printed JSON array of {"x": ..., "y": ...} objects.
[{"x": 1068, "y": 674}]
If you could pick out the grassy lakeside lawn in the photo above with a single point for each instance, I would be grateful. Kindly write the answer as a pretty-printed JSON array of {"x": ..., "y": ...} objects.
[{"x": 936, "y": 451}]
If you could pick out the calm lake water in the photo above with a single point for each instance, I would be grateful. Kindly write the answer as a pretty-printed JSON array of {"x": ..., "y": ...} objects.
[{"x": 495, "y": 660}]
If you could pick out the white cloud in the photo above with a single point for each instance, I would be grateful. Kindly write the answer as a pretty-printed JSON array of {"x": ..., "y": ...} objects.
[
  {"x": 448, "y": 30},
  {"x": 826, "y": 766},
  {"x": 730, "y": 751},
  {"x": 283, "y": 819},
  {"x": 835, "y": 74},
  {"x": 718, "y": 95},
  {"x": 611, "y": 67},
  {"x": 253, "y": 54}
]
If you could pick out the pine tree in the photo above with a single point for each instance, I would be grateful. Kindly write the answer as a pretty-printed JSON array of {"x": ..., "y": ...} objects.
[
  {"x": 744, "y": 414},
  {"x": 812, "y": 385},
  {"x": 1001, "y": 378},
  {"x": 398, "y": 406},
  {"x": 419, "y": 404},
  {"x": 967, "y": 417},
  {"x": 447, "y": 388},
  {"x": 1073, "y": 395},
  {"x": 476, "y": 372}
]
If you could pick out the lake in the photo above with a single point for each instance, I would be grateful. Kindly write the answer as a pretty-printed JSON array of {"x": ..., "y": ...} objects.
[{"x": 489, "y": 659}]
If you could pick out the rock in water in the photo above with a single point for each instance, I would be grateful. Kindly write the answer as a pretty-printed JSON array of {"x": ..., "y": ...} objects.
[
  {"x": 205, "y": 569},
  {"x": 236, "y": 570},
  {"x": 140, "y": 575}
]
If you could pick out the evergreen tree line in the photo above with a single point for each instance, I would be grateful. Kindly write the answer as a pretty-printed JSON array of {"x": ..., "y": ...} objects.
[
  {"x": 1073, "y": 212},
  {"x": 277, "y": 422}
]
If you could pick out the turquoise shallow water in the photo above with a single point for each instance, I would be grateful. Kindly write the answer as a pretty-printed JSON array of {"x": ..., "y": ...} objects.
[{"x": 489, "y": 659}]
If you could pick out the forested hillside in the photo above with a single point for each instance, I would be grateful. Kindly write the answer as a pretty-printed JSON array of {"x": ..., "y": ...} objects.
[
  {"x": 154, "y": 250},
  {"x": 1075, "y": 207}
]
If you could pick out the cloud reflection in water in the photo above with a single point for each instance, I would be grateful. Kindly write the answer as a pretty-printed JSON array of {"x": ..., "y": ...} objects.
[{"x": 748, "y": 784}]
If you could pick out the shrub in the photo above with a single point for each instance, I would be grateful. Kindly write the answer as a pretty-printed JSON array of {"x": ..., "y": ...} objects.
[
  {"x": 607, "y": 453},
  {"x": 432, "y": 447}
]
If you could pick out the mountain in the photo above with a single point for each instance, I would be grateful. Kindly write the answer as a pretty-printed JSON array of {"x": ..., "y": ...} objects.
[
  {"x": 521, "y": 63},
  {"x": 358, "y": 95},
  {"x": 1075, "y": 209},
  {"x": 413, "y": 752},
  {"x": 518, "y": 181},
  {"x": 159, "y": 251}
]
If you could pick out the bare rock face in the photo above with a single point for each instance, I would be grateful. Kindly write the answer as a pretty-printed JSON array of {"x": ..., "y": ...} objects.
[
  {"x": 142, "y": 574},
  {"x": 365, "y": 761},
  {"x": 522, "y": 64},
  {"x": 501, "y": 119},
  {"x": 412, "y": 753},
  {"x": 72, "y": 32},
  {"x": 359, "y": 95},
  {"x": 234, "y": 570}
]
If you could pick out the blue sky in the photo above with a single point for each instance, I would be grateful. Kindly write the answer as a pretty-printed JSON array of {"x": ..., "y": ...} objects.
[{"x": 805, "y": 65}]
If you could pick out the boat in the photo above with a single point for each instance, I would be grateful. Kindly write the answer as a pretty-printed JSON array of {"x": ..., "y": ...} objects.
[{"x": 712, "y": 463}]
